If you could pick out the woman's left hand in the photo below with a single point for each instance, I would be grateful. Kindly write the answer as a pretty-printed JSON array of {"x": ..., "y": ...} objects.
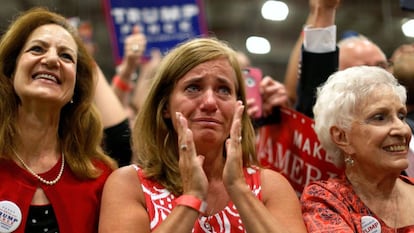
[{"x": 233, "y": 169}]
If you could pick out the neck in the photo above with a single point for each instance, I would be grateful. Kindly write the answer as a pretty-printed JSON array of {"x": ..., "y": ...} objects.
[
  {"x": 372, "y": 186},
  {"x": 213, "y": 161},
  {"x": 213, "y": 167},
  {"x": 382, "y": 197},
  {"x": 35, "y": 137}
]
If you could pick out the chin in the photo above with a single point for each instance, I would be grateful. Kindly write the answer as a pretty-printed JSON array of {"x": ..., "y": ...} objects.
[{"x": 402, "y": 164}]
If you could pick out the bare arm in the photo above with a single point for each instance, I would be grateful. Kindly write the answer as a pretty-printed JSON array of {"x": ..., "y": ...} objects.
[
  {"x": 279, "y": 210},
  {"x": 108, "y": 104},
  {"x": 123, "y": 203},
  {"x": 123, "y": 207},
  {"x": 134, "y": 47},
  {"x": 292, "y": 71},
  {"x": 321, "y": 14},
  {"x": 145, "y": 78}
]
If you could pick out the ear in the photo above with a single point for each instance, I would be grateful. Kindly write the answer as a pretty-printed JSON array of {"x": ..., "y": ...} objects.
[
  {"x": 341, "y": 139},
  {"x": 166, "y": 112}
]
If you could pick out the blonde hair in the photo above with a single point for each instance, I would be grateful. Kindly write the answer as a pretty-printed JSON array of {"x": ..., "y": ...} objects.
[{"x": 154, "y": 138}]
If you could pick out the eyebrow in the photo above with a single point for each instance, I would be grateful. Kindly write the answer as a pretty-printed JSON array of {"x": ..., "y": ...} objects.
[
  {"x": 47, "y": 44},
  {"x": 199, "y": 79}
]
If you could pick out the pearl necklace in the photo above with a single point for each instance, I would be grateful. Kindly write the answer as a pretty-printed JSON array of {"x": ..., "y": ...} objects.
[{"x": 52, "y": 182}]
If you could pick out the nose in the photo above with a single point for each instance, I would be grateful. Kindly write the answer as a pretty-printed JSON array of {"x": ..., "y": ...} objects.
[
  {"x": 400, "y": 128},
  {"x": 51, "y": 58},
  {"x": 209, "y": 101}
]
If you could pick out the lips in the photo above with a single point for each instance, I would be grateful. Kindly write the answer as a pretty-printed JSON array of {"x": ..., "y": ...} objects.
[
  {"x": 46, "y": 76},
  {"x": 207, "y": 120}
]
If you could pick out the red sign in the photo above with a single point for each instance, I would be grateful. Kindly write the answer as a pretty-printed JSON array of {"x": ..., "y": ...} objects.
[{"x": 292, "y": 148}]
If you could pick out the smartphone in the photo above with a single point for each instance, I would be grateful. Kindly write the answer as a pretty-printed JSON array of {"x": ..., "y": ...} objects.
[{"x": 252, "y": 77}]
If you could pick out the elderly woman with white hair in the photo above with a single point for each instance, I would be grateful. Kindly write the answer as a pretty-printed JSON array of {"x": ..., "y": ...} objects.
[{"x": 360, "y": 121}]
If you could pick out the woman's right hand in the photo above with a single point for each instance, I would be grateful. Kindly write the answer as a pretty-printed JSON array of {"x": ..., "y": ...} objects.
[{"x": 194, "y": 180}]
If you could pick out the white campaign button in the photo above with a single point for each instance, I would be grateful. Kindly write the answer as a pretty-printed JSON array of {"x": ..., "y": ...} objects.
[
  {"x": 10, "y": 216},
  {"x": 370, "y": 225}
]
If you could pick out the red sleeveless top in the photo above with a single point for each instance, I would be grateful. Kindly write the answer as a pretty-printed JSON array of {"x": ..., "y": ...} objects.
[{"x": 160, "y": 202}]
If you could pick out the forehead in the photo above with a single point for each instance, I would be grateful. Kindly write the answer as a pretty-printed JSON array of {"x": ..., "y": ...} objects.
[
  {"x": 53, "y": 33},
  {"x": 380, "y": 97},
  {"x": 219, "y": 67}
]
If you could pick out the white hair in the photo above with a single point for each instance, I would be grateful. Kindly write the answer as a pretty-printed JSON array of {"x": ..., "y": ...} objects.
[{"x": 339, "y": 96}]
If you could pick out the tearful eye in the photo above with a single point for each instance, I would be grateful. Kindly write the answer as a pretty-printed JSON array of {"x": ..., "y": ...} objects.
[
  {"x": 224, "y": 91},
  {"x": 192, "y": 88},
  {"x": 402, "y": 116}
]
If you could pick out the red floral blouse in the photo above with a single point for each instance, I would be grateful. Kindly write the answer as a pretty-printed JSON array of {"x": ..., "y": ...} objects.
[{"x": 333, "y": 206}]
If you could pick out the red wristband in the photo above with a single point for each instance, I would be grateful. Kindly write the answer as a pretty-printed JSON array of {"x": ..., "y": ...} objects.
[
  {"x": 121, "y": 84},
  {"x": 192, "y": 202}
]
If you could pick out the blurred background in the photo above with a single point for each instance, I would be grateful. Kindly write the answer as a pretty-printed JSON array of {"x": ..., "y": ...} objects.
[{"x": 236, "y": 20}]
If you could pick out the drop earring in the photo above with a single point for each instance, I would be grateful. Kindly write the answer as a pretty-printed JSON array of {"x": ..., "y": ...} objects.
[{"x": 349, "y": 161}]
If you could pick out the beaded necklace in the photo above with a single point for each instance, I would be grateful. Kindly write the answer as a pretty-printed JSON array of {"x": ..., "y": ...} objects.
[{"x": 48, "y": 182}]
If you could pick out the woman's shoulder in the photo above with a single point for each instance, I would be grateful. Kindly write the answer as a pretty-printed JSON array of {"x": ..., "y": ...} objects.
[
  {"x": 123, "y": 179},
  {"x": 269, "y": 174},
  {"x": 333, "y": 183},
  {"x": 337, "y": 188},
  {"x": 125, "y": 173},
  {"x": 123, "y": 183},
  {"x": 275, "y": 181}
]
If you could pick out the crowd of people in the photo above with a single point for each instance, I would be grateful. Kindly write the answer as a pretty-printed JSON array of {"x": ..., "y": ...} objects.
[{"x": 169, "y": 144}]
